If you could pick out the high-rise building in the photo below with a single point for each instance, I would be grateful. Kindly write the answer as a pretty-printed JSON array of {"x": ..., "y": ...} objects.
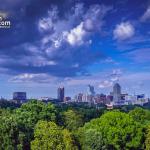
[
  {"x": 116, "y": 92},
  {"x": 79, "y": 97},
  {"x": 61, "y": 93},
  {"x": 90, "y": 90},
  {"x": 67, "y": 99},
  {"x": 20, "y": 97},
  {"x": 84, "y": 98},
  {"x": 100, "y": 98},
  {"x": 109, "y": 98},
  {"x": 123, "y": 96}
]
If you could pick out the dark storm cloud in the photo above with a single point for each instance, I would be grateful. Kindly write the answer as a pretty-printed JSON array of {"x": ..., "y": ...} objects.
[{"x": 24, "y": 14}]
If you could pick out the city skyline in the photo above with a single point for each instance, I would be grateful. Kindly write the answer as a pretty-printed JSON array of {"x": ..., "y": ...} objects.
[
  {"x": 61, "y": 93},
  {"x": 72, "y": 44}
]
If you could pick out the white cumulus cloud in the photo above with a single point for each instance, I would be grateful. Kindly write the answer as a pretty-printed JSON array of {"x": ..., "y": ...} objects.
[
  {"x": 47, "y": 23},
  {"x": 146, "y": 15},
  {"x": 105, "y": 84},
  {"x": 76, "y": 35},
  {"x": 124, "y": 31},
  {"x": 30, "y": 77}
]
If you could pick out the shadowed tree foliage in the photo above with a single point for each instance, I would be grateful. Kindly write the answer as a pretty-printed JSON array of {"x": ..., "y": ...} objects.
[
  {"x": 141, "y": 115},
  {"x": 72, "y": 120},
  {"x": 147, "y": 141},
  {"x": 8, "y": 104},
  {"x": 17, "y": 127}
]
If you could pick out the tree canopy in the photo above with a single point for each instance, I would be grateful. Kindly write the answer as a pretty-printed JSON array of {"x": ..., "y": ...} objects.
[
  {"x": 113, "y": 130},
  {"x": 140, "y": 115},
  {"x": 48, "y": 136},
  {"x": 17, "y": 126},
  {"x": 72, "y": 120},
  {"x": 37, "y": 125}
]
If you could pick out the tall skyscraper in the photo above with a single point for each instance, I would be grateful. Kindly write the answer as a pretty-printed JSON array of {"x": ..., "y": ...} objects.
[
  {"x": 90, "y": 90},
  {"x": 61, "y": 93},
  {"x": 116, "y": 92},
  {"x": 19, "y": 96}
]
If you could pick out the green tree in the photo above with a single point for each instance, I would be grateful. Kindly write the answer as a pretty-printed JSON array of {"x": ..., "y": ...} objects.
[
  {"x": 8, "y": 131},
  {"x": 147, "y": 141},
  {"x": 140, "y": 115},
  {"x": 17, "y": 126},
  {"x": 48, "y": 136},
  {"x": 113, "y": 130},
  {"x": 72, "y": 120}
]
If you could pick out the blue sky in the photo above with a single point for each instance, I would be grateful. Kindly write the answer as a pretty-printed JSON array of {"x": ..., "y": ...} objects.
[{"x": 74, "y": 43}]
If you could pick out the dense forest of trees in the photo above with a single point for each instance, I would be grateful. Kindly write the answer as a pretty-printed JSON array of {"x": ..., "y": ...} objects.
[{"x": 39, "y": 126}]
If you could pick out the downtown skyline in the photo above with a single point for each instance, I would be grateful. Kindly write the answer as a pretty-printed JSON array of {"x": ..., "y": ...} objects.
[{"x": 73, "y": 44}]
